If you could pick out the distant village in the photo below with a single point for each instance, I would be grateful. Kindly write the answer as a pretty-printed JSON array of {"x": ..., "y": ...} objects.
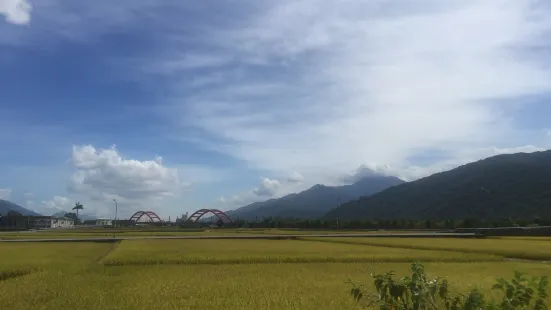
[{"x": 13, "y": 220}]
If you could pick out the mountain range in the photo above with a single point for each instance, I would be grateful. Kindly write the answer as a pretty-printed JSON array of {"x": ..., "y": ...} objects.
[
  {"x": 314, "y": 202},
  {"x": 7, "y": 206},
  {"x": 503, "y": 186}
]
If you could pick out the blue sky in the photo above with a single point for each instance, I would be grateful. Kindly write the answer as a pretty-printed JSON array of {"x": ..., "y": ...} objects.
[{"x": 176, "y": 105}]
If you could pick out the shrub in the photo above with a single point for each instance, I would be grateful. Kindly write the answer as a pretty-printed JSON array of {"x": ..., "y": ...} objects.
[{"x": 420, "y": 293}]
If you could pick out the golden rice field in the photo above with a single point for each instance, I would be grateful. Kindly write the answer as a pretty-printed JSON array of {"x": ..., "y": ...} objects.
[
  {"x": 21, "y": 258},
  {"x": 237, "y": 274},
  {"x": 527, "y": 248},
  {"x": 147, "y": 252},
  {"x": 110, "y": 232},
  {"x": 103, "y": 233}
]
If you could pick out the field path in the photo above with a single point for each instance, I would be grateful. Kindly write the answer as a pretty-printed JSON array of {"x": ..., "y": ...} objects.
[
  {"x": 113, "y": 247},
  {"x": 275, "y": 237}
]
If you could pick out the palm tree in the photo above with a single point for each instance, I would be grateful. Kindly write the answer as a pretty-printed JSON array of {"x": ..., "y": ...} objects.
[{"x": 78, "y": 206}]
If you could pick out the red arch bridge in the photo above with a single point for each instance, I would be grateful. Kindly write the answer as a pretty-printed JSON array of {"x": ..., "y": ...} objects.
[
  {"x": 196, "y": 216},
  {"x": 150, "y": 216}
]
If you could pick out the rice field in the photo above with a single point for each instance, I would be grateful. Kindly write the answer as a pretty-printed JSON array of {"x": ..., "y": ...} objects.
[
  {"x": 526, "y": 248},
  {"x": 21, "y": 258},
  {"x": 110, "y": 232},
  {"x": 274, "y": 287},
  {"x": 148, "y": 252},
  {"x": 103, "y": 233},
  {"x": 237, "y": 274}
]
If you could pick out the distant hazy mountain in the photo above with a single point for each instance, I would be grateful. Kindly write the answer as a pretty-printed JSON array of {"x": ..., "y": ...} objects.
[
  {"x": 6, "y": 206},
  {"x": 503, "y": 186},
  {"x": 314, "y": 202},
  {"x": 82, "y": 217}
]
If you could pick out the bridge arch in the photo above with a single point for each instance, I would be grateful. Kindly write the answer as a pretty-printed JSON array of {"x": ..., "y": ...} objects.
[
  {"x": 199, "y": 213},
  {"x": 153, "y": 217}
]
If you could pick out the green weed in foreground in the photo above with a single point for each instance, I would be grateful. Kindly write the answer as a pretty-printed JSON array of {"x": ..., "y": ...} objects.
[
  {"x": 421, "y": 292},
  {"x": 150, "y": 252},
  {"x": 206, "y": 287},
  {"x": 510, "y": 248}
]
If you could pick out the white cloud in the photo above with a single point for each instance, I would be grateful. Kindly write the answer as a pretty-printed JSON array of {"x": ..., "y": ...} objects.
[
  {"x": 295, "y": 177},
  {"x": 267, "y": 188},
  {"x": 5, "y": 193},
  {"x": 103, "y": 175},
  {"x": 364, "y": 171},
  {"x": 51, "y": 206},
  {"x": 58, "y": 202},
  {"x": 236, "y": 201},
  {"x": 324, "y": 87},
  {"x": 16, "y": 11},
  {"x": 187, "y": 61},
  {"x": 195, "y": 174},
  {"x": 346, "y": 83}
]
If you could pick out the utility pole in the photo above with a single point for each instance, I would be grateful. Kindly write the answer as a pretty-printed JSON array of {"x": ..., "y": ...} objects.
[
  {"x": 116, "y": 210},
  {"x": 338, "y": 205}
]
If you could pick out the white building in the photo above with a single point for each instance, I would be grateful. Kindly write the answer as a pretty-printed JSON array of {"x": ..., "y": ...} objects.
[
  {"x": 53, "y": 222},
  {"x": 182, "y": 219},
  {"x": 104, "y": 222}
]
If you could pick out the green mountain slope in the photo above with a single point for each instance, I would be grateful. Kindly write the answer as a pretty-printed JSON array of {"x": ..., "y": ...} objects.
[
  {"x": 503, "y": 186},
  {"x": 6, "y": 206},
  {"x": 314, "y": 202}
]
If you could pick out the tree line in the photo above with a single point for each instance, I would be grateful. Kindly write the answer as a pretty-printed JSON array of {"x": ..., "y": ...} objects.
[{"x": 388, "y": 224}]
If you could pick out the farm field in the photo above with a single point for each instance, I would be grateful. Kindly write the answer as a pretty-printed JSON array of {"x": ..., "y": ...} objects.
[
  {"x": 147, "y": 252},
  {"x": 526, "y": 248},
  {"x": 105, "y": 233},
  {"x": 526, "y": 238},
  {"x": 232, "y": 274},
  {"x": 20, "y": 258},
  {"x": 102, "y": 233},
  {"x": 358, "y": 231}
]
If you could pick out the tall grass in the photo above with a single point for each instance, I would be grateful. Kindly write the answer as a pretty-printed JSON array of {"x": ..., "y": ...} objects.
[
  {"x": 150, "y": 252},
  {"x": 206, "y": 287},
  {"x": 13, "y": 272},
  {"x": 509, "y": 248},
  {"x": 109, "y": 233},
  {"x": 21, "y": 258}
]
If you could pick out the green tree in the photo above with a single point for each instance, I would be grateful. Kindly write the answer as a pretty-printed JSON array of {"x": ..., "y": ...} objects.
[
  {"x": 72, "y": 216},
  {"x": 78, "y": 206}
]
